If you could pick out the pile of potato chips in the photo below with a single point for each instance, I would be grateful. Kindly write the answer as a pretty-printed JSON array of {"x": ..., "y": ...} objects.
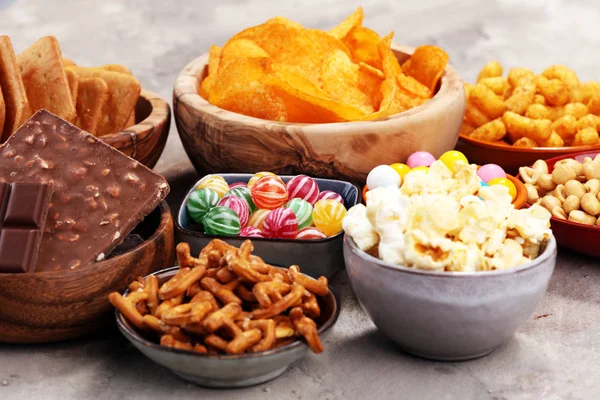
[
  {"x": 99, "y": 100},
  {"x": 282, "y": 71}
]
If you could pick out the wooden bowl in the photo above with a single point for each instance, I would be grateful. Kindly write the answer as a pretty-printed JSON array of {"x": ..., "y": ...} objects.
[
  {"x": 144, "y": 141},
  {"x": 511, "y": 158},
  {"x": 217, "y": 140},
  {"x": 58, "y": 305}
]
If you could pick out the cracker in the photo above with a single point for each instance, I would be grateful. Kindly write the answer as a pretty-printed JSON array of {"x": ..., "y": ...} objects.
[
  {"x": 15, "y": 97},
  {"x": 92, "y": 97},
  {"x": 123, "y": 93},
  {"x": 73, "y": 80},
  {"x": 116, "y": 68},
  {"x": 45, "y": 79}
]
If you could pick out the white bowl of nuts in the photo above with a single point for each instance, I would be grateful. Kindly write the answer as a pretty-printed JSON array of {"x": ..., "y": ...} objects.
[{"x": 569, "y": 187}]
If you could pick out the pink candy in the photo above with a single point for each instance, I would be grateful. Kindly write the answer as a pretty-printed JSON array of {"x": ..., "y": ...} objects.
[
  {"x": 238, "y": 184},
  {"x": 250, "y": 231},
  {"x": 281, "y": 223},
  {"x": 488, "y": 172},
  {"x": 420, "y": 159},
  {"x": 330, "y": 195},
  {"x": 310, "y": 233},
  {"x": 303, "y": 187},
  {"x": 239, "y": 206}
]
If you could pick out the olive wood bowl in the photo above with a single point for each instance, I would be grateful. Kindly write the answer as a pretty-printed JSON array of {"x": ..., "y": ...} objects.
[
  {"x": 217, "y": 140},
  {"x": 59, "y": 305}
]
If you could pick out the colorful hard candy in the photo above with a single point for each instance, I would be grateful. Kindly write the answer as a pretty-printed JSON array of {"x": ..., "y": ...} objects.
[
  {"x": 257, "y": 176},
  {"x": 303, "y": 211},
  {"x": 214, "y": 182},
  {"x": 269, "y": 192},
  {"x": 421, "y": 168},
  {"x": 238, "y": 184},
  {"x": 244, "y": 194},
  {"x": 420, "y": 159},
  {"x": 200, "y": 202},
  {"x": 311, "y": 232},
  {"x": 281, "y": 223},
  {"x": 221, "y": 221},
  {"x": 512, "y": 189},
  {"x": 239, "y": 206},
  {"x": 330, "y": 195},
  {"x": 250, "y": 231},
  {"x": 328, "y": 216},
  {"x": 450, "y": 158},
  {"x": 488, "y": 172},
  {"x": 303, "y": 187},
  {"x": 383, "y": 176},
  {"x": 401, "y": 169},
  {"x": 257, "y": 218}
]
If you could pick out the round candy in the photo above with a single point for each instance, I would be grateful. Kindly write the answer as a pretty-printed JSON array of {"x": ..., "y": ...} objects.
[
  {"x": 328, "y": 216},
  {"x": 512, "y": 189},
  {"x": 383, "y": 176},
  {"x": 303, "y": 211},
  {"x": 244, "y": 194},
  {"x": 330, "y": 195},
  {"x": 420, "y": 159},
  {"x": 258, "y": 218},
  {"x": 250, "y": 231},
  {"x": 303, "y": 187},
  {"x": 281, "y": 223},
  {"x": 221, "y": 221},
  {"x": 488, "y": 172},
  {"x": 401, "y": 169},
  {"x": 483, "y": 184},
  {"x": 257, "y": 176},
  {"x": 269, "y": 192},
  {"x": 238, "y": 184},
  {"x": 239, "y": 206},
  {"x": 421, "y": 168},
  {"x": 310, "y": 233},
  {"x": 200, "y": 202},
  {"x": 214, "y": 182},
  {"x": 451, "y": 157}
]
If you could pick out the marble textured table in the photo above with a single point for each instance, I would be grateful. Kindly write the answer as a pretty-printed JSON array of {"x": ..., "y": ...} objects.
[{"x": 553, "y": 356}]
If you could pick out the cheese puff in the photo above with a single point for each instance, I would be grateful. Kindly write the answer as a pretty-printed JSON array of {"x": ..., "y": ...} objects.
[
  {"x": 539, "y": 99},
  {"x": 586, "y": 137},
  {"x": 577, "y": 110},
  {"x": 537, "y": 111},
  {"x": 553, "y": 141},
  {"x": 565, "y": 127},
  {"x": 555, "y": 112},
  {"x": 474, "y": 116},
  {"x": 554, "y": 90},
  {"x": 588, "y": 121},
  {"x": 520, "y": 77},
  {"x": 536, "y": 129},
  {"x": 468, "y": 88},
  {"x": 525, "y": 142},
  {"x": 490, "y": 132},
  {"x": 490, "y": 70},
  {"x": 594, "y": 105},
  {"x": 569, "y": 77},
  {"x": 521, "y": 97},
  {"x": 466, "y": 129},
  {"x": 498, "y": 84},
  {"x": 590, "y": 89},
  {"x": 486, "y": 101}
]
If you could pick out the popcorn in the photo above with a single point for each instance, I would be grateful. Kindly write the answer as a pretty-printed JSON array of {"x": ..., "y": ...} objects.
[{"x": 357, "y": 225}]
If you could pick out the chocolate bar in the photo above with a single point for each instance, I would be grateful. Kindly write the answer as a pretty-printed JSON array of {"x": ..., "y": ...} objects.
[
  {"x": 100, "y": 194},
  {"x": 23, "y": 211}
]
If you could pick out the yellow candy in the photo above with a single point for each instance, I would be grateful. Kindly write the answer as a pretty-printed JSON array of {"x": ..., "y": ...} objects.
[
  {"x": 257, "y": 176},
  {"x": 328, "y": 215},
  {"x": 450, "y": 158},
  {"x": 257, "y": 219},
  {"x": 512, "y": 189},
  {"x": 421, "y": 168},
  {"x": 216, "y": 183},
  {"x": 401, "y": 169}
]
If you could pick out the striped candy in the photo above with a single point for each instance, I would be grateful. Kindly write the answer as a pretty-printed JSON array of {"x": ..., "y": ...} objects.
[
  {"x": 214, "y": 182},
  {"x": 238, "y": 184},
  {"x": 310, "y": 233},
  {"x": 303, "y": 211},
  {"x": 249, "y": 231},
  {"x": 281, "y": 223},
  {"x": 303, "y": 187},
  {"x": 200, "y": 202},
  {"x": 244, "y": 194},
  {"x": 257, "y": 218},
  {"x": 257, "y": 176},
  {"x": 239, "y": 206},
  {"x": 328, "y": 215},
  {"x": 330, "y": 195},
  {"x": 221, "y": 221},
  {"x": 269, "y": 192}
]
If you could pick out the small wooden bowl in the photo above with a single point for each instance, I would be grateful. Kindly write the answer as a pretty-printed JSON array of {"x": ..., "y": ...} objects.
[
  {"x": 511, "y": 158},
  {"x": 144, "y": 141},
  {"x": 217, "y": 140},
  {"x": 58, "y": 305}
]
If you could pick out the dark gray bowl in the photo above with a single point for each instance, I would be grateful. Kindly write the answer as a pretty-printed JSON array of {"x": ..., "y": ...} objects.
[
  {"x": 321, "y": 257},
  {"x": 228, "y": 371},
  {"x": 447, "y": 315}
]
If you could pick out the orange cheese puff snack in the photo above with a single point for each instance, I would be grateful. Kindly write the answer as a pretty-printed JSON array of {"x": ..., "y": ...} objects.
[
  {"x": 587, "y": 136},
  {"x": 555, "y": 112},
  {"x": 525, "y": 142},
  {"x": 520, "y": 77},
  {"x": 554, "y": 90},
  {"x": 498, "y": 84},
  {"x": 569, "y": 77},
  {"x": 590, "y": 89},
  {"x": 474, "y": 116},
  {"x": 490, "y": 70},
  {"x": 537, "y": 111},
  {"x": 490, "y": 132},
  {"x": 577, "y": 110},
  {"x": 468, "y": 88},
  {"x": 521, "y": 97},
  {"x": 565, "y": 127},
  {"x": 594, "y": 105},
  {"x": 589, "y": 121},
  {"x": 553, "y": 141},
  {"x": 536, "y": 129},
  {"x": 539, "y": 99},
  {"x": 486, "y": 101},
  {"x": 466, "y": 128}
]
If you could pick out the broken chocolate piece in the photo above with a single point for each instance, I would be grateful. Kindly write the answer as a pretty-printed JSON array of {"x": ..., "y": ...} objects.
[
  {"x": 131, "y": 241},
  {"x": 100, "y": 194}
]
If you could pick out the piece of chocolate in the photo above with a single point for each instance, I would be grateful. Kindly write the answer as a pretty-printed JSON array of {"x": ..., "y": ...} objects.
[
  {"x": 23, "y": 211},
  {"x": 100, "y": 194},
  {"x": 131, "y": 241}
]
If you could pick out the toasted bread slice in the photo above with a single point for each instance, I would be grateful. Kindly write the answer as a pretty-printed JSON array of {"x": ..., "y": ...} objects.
[
  {"x": 91, "y": 100},
  {"x": 73, "y": 80}
]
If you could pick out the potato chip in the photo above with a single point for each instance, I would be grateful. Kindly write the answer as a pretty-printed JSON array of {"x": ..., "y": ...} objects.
[
  {"x": 354, "y": 19},
  {"x": 15, "y": 97},
  {"x": 91, "y": 99},
  {"x": 214, "y": 59},
  {"x": 287, "y": 22},
  {"x": 363, "y": 44},
  {"x": 241, "y": 48},
  {"x": 205, "y": 86},
  {"x": 389, "y": 63},
  {"x": 427, "y": 65},
  {"x": 73, "y": 80},
  {"x": 369, "y": 82},
  {"x": 413, "y": 87}
]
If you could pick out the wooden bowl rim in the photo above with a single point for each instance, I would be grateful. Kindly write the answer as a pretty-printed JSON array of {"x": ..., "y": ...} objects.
[
  {"x": 128, "y": 330},
  {"x": 186, "y": 91},
  {"x": 529, "y": 150}
]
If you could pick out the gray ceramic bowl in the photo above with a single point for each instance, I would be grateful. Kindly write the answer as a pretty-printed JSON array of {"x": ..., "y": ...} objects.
[
  {"x": 228, "y": 371},
  {"x": 446, "y": 315},
  {"x": 320, "y": 257}
]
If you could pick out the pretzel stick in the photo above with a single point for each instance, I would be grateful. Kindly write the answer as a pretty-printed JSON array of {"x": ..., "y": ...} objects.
[
  {"x": 244, "y": 341},
  {"x": 188, "y": 313},
  {"x": 216, "y": 342},
  {"x": 310, "y": 305},
  {"x": 224, "y": 275},
  {"x": 215, "y": 320},
  {"x": 160, "y": 328},
  {"x": 266, "y": 292},
  {"x": 245, "y": 294},
  {"x": 267, "y": 327},
  {"x": 316, "y": 286},
  {"x": 286, "y": 302},
  {"x": 151, "y": 288},
  {"x": 203, "y": 295},
  {"x": 306, "y": 327},
  {"x": 127, "y": 309},
  {"x": 219, "y": 291},
  {"x": 170, "y": 341},
  {"x": 167, "y": 304},
  {"x": 178, "y": 287}
]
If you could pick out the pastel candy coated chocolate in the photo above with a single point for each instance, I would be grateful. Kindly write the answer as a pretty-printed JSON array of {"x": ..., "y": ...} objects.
[
  {"x": 221, "y": 221},
  {"x": 311, "y": 232},
  {"x": 200, "y": 202},
  {"x": 244, "y": 194},
  {"x": 281, "y": 223},
  {"x": 328, "y": 216},
  {"x": 269, "y": 192},
  {"x": 303, "y": 211},
  {"x": 330, "y": 195},
  {"x": 216, "y": 183},
  {"x": 420, "y": 159},
  {"x": 451, "y": 157},
  {"x": 250, "y": 231},
  {"x": 257, "y": 218},
  {"x": 303, "y": 187},
  {"x": 488, "y": 172},
  {"x": 512, "y": 189},
  {"x": 239, "y": 206},
  {"x": 257, "y": 176},
  {"x": 383, "y": 176}
]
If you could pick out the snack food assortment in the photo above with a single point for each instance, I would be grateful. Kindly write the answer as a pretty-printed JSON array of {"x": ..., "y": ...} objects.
[
  {"x": 552, "y": 109},
  {"x": 266, "y": 207},
  {"x": 283, "y": 71},
  {"x": 226, "y": 301}
]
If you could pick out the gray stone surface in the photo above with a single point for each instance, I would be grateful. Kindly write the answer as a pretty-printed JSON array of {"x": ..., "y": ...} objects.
[{"x": 553, "y": 356}]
